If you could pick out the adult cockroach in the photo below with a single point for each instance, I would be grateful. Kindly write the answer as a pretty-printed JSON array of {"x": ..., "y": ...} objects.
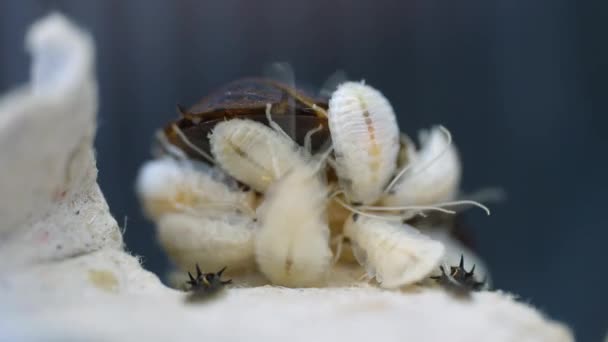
[{"x": 292, "y": 109}]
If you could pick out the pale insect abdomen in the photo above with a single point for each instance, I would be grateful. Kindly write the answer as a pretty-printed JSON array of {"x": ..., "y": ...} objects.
[
  {"x": 212, "y": 242},
  {"x": 433, "y": 176},
  {"x": 292, "y": 243},
  {"x": 202, "y": 217},
  {"x": 395, "y": 254},
  {"x": 365, "y": 138},
  {"x": 253, "y": 153},
  {"x": 167, "y": 185}
]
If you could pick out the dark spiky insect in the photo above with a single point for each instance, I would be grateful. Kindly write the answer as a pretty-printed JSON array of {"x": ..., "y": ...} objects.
[
  {"x": 459, "y": 281},
  {"x": 204, "y": 284}
]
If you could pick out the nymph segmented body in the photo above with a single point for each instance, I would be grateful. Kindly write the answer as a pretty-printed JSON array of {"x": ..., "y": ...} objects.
[
  {"x": 253, "y": 153},
  {"x": 433, "y": 175},
  {"x": 396, "y": 254},
  {"x": 365, "y": 138},
  {"x": 202, "y": 216},
  {"x": 292, "y": 244}
]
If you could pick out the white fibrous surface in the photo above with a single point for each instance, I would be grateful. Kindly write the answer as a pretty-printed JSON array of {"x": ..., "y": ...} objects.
[
  {"x": 49, "y": 199},
  {"x": 64, "y": 275}
]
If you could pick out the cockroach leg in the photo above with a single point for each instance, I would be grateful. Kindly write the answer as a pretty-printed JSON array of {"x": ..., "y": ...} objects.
[
  {"x": 169, "y": 148},
  {"x": 195, "y": 148},
  {"x": 273, "y": 123},
  {"x": 308, "y": 138}
]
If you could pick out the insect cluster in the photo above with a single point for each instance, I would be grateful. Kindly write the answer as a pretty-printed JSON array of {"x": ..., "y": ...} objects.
[{"x": 261, "y": 177}]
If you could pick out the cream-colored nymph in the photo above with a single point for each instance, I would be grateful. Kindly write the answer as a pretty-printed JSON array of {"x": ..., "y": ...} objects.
[
  {"x": 202, "y": 216},
  {"x": 253, "y": 153},
  {"x": 291, "y": 242},
  {"x": 365, "y": 138}
]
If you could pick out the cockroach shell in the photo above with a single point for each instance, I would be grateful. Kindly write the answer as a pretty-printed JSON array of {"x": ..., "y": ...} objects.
[
  {"x": 211, "y": 242},
  {"x": 250, "y": 96},
  {"x": 247, "y": 99},
  {"x": 292, "y": 244},
  {"x": 428, "y": 182},
  {"x": 396, "y": 254},
  {"x": 197, "y": 133},
  {"x": 365, "y": 138},
  {"x": 249, "y": 151},
  {"x": 166, "y": 185}
]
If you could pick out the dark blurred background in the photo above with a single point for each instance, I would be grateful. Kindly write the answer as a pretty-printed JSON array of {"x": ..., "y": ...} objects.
[{"x": 521, "y": 84}]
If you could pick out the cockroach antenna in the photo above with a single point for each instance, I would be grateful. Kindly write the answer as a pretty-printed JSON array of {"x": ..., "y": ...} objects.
[
  {"x": 434, "y": 206},
  {"x": 367, "y": 210},
  {"x": 308, "y": 139},
  {"x": 195, "y": 148},
  {"x": 437, "y": 207},
  {"x": 181, "y": 110},
  {"x": 273, "y": 124},
  {"x": 361, "y": 210},
  {"x": 165, "y": 147}
]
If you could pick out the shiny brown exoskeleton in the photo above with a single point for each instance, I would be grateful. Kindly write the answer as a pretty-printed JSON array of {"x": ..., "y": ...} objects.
[{"x": 296, "y": 112}]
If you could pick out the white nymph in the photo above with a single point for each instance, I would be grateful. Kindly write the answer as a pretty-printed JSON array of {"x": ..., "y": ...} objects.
[
  {"x": 365, "y": 138},
  {"x": 253, "y": 153},
  {"x": 202, "y": 217},
  {"x": 396, "y": 254},
  {"x": 167, "y": 185},
  {"x": 433, "y": 172},
  {"x": 292, "y": 243}
]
